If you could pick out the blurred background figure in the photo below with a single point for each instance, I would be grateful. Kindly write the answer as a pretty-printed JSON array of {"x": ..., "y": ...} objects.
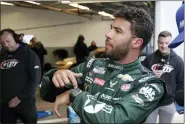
[
  {"x": 39, "y": 49},
  {"x": 93, "y": 46},
  {"x": 81, "y": 50},
  {"x": 60, "y": 54}
]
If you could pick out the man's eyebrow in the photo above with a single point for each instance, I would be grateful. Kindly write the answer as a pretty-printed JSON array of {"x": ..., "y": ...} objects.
[{"x": 116, "y": 27}]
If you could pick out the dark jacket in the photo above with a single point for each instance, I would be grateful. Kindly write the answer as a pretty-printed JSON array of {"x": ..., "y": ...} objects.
[
  {"x": 173, "y": 67},
  {"x": 20, "y": 73},
  {"x": 112, "y": 92},
  {"x": 81, "y": 52}
]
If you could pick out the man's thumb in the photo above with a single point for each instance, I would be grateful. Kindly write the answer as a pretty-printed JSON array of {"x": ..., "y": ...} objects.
[{"x": 78, "y": 75}]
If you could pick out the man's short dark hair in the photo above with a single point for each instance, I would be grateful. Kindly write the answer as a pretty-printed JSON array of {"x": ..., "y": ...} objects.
[
  {"x": 17, "y": 37},
  {"x": 141, "y": 22},
  {"x": 165, "y": 34}
]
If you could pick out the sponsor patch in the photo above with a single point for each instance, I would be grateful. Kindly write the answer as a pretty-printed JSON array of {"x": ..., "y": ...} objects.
[
  {"x": 138, "y": 100},
  {"x": 156, "y": 87},
  {"x": 148, "y": 92},
  {"x": 125, "y": 87},
  {"x": 113, "y": 83},
  {"x": 90, "y": 107},
  {"x": 7, "y": 64},
  {"x": 88, "y": 79},
  {"x": 125, "y": 77},
  {"x": 99, "y": 81},
  {"x": 107, "y": 88},
  {"x": 115, "y": 66},
  {"x": 145, "y": 78},
  {"x": 90, "y": 63},
  {"x": 99, "y": 70}
]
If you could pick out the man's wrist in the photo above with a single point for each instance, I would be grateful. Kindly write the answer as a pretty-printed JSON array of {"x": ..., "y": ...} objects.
[{"x": 74, "y": 92}]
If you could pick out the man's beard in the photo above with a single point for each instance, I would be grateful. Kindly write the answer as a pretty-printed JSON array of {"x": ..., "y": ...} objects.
[{"x": 119, "y": 52}]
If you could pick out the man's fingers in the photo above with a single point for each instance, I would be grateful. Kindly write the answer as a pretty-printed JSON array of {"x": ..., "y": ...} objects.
[
  {"x": 60, "y": 81},
  {"x": 54, "y": 80},
  {"x": 56, "y": 110},
  {"x": 73, "y": 80},
  {"x": 65, "y": 77},
  {"x": 78, "y": 75}
]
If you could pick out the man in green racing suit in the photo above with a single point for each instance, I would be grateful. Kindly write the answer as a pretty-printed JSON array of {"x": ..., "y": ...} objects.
[{"x": 113, "y": 90}]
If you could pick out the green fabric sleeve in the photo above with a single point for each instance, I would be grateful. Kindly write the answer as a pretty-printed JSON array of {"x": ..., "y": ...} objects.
[{"x": 132, "y": 108}]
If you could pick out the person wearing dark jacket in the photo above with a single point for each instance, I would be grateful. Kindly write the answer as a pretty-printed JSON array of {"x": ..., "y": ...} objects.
[
  {"x": 166, "y": 64},
  {"x": 81, "y": 50},
  {"x": 20, "y": 75},
  {"x": 39, "y": 49},
  {"x": 93, "y": 46}
]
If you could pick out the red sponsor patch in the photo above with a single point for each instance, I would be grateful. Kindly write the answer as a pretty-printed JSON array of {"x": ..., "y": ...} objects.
[
  {"x": 125, "y": 87},
  {"x": 99, "y": 81}
]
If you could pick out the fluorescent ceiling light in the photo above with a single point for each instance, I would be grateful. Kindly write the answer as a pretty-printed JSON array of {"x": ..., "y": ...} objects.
[
  {"x": 5, "y": 3},
  {"x": 32, "y": 2},
  {"x": 65, "y": 1},
  {"x": 79, "y": 6},
  {"x": 106, "y": 14}
]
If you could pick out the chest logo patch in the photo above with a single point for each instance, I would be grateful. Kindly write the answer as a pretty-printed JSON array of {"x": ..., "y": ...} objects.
[
  {"x": 125, "y": 77},
  {"x": 7, "y": 64},
  {"x": 99, "y": 81},
  {"x": 125, "y": 87}
]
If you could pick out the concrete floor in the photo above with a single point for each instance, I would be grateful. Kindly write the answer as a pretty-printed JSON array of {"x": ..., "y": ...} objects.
[{"x": 43, "y": 106}]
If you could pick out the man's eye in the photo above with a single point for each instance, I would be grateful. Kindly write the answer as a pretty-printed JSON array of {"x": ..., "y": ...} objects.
[{"x": 118, "y": 31}]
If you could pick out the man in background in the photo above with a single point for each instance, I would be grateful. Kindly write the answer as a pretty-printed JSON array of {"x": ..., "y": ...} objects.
[
  {"x": 20, "y": 74},
  {"x": 166, "y": 64}
]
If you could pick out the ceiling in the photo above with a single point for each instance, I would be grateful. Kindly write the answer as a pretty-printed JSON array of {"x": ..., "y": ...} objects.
[{"x": 108, "y": 6}]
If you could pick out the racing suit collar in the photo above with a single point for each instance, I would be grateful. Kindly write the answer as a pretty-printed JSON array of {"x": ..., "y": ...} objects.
[{"x": 130, "y": 66}]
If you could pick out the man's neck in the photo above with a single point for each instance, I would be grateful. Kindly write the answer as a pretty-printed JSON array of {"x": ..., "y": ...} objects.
[
  {"x": 166, "y": 53},
  {"x": 131, "y": 57},
  {"x": 15, "y": 48}
]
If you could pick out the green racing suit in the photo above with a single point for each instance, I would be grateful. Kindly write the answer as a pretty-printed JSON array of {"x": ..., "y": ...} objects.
[{"x": 112, "y": 92}]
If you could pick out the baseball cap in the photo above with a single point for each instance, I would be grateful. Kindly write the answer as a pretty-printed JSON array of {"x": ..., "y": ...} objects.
[{"x": 180, "y": 24}]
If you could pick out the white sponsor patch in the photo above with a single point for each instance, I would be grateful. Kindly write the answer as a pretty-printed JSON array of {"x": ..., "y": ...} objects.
[
  {"x": 7, "y": 64},
  {"x": 88, "y": 79},
  {"x": 106, "y": 97},
  {"x": 113, "y": 83},
  {"x": 89, "y": 63},
  {"x": 89, "y": 106},
  {"x": 145, "y": 78},
  {"x": 156, "y": 87},
  {"x": 125, "y": 77},
  {"x": 167, "y": 68},
  {"x": 148, "y": 92},
  {"x": 138, "y": 100},
  {"x": 99, "y": 70},
  {"x": 107, "y": 88},
  {"x": 115, "y": 66},
  {"x": 125, "y": 87}
]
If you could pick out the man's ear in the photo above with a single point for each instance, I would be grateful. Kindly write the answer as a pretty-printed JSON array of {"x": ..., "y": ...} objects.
[{"x": 137, "y": 43}]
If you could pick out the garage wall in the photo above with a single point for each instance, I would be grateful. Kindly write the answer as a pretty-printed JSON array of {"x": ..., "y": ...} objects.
[
  {"x": 62, "y": 35},
  {"x": 57, "y": 30}
]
